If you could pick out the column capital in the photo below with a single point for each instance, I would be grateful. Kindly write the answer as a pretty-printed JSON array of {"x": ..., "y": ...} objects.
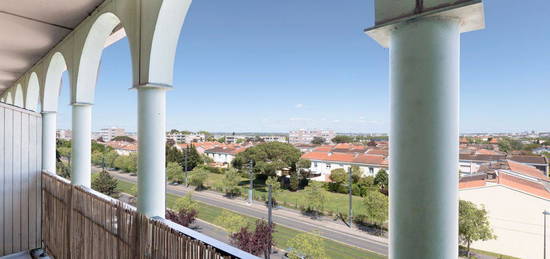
[
  {"x": 81, "y": 104},
  {"x": 48, "y": 112},
  {"x": 469, "y": 13},
  {"x": 152, "y": 86}
]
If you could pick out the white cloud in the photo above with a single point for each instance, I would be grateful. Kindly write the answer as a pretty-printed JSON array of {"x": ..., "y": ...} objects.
[{"x": 299, "y": 106}]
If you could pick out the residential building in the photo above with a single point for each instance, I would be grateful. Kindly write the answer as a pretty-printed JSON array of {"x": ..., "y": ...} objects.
[
  {"x": 182, "y": 137},
  {"x": 224, "y": 155},
  {"x": 470, "y": 163},
  {"x": 514, "y": 195},
  {"x": 303, "y": 136},
  {"x": 274, "y": 138},
  {"x": 65, "y": 134},
  {"x": 123, "y": 148},
  {"x": 322, "y": 163},
  {"x": 107, "y": 134}
]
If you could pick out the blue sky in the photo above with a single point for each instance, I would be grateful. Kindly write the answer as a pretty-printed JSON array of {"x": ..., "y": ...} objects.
[{"x": 274, "y": 66}]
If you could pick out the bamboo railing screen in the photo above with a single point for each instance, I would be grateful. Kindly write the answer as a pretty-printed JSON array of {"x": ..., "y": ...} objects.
[{"x": 78, "y": 223}]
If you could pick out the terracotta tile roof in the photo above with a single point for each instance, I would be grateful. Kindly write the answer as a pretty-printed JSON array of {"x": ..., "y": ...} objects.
[
  {"x": 373, "y": 151},
  {"x": 481, "y": 157},
  {"x": 122, "y": 145},
  {"x": 526, "y": 170},
  {"x": 534, "y": 187},
  {"x": 322, "y": 149},
  {"x": 329, "y": 156},
  {"x": 346, "y": 158},
  {"x": 369, "y": 159},
  {"x": 487, "y": 152},
  {"x": 471, "y": 184},
  {"x": 523, "y": 185},
  {"x": 528, "y": 159}
]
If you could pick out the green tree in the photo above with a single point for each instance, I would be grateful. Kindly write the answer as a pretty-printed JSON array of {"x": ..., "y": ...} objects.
[
  {"x": 64, "y": 151},
  {"x": 316, "y": 196},
  {"x": 318, "y": 141},
  {"x": 127, "y": 164},
  {"x": 124, "y": 138},
  {"x": 232, "y": 222},
  {"x": 230, "y": 183},
  {"x": 382, "y": 179},
  {"x": 268, "y": 157},
  {"x": 473, "y": 224},
  {"x": 275, "y": 184},
  {"x": 376, "y": 206},
  {"x": 342, "y": 139},
  {"x": 174, "y": 172},
  {"x": 221, "y": 140},
  {"x": 186, "y": 203},
  {"x": 294, "y": 181},
  {"x": 303, "y": 164},
  {"x": 307, "y": 245},
  {"x": 197, "y": 177},
  {"x": 104, "y": 183},
  {"x": 509, "y": 144},
  {"x": 110, "y": 158},
  {"x": 338, "y": 175}
]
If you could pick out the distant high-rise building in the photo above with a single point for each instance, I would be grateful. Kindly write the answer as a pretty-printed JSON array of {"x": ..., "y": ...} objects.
[
  {"x": 108, "y": 134},
  {"x": 306, "y": 136}
]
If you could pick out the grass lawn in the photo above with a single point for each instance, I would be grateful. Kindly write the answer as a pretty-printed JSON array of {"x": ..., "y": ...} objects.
[
  {"x": 282, "y": 235},
  {"x": 336, "y": 202},
  {"x": 500, "y": 256}
]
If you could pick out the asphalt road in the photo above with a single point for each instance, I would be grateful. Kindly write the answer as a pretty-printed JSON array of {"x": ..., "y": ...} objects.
[{"x": 301, "y": 223}]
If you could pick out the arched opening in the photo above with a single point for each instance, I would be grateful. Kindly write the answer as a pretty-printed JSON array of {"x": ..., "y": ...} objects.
[
  {"x": 53, "y": 82},
  {"x": 91, "y": 56},
  {"x": 165, "y": 40},
  {"x": 9, "y": 98},
  {"x": 18, "y": 99},
  {"x": 32, "y": 99}
]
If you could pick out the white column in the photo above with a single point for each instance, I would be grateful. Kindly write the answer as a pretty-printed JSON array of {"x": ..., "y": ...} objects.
[
  {"x": 151, "y": 150},
  {"x": 424, "y": 135},
  {"x": 81, "y": 152},
  {"x": 49, "y": 120}
]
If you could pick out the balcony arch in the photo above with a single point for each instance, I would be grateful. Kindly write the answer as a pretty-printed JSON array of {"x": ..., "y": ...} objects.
[
  {"x": 32, "y": 95},
  {"x": 18, "y": 99},
  {"x": 52, "y": 84},
  {"x": 90, "y": 57}
]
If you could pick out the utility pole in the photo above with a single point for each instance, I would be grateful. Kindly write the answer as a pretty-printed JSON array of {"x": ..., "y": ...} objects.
[
  {"x": 544, "y": 213},
  {"x": 350, "y": 180},
  {"x": 269, "y": 204},
  {"x": 269, "y": 213},
  {"x": 250, "y": 168},
  {"x": 185, "y": 167}
]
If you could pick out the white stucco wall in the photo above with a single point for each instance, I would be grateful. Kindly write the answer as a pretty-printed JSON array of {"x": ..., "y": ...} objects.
[
  {"x": 221, "y": 158},
  {"x": 321, "y": 167},
  {"x": 516, "y": 218}
]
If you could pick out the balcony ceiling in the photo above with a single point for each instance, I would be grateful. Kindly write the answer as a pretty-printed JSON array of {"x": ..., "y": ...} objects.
[{"x": 30, "y": 28}]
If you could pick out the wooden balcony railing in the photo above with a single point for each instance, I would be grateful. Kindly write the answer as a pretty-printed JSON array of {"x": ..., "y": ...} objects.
[{"x": 78, "y": 222}]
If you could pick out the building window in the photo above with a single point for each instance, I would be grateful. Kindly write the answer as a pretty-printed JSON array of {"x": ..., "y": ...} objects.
[
  {"x": 328, "y": 166},
  {"x": 371, "y": 170},
  {"x": 315, "y": 164}
]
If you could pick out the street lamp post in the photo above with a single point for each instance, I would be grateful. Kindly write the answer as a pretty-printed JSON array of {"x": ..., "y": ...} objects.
[
  {"x": 185, "y": 166},
  {"x": 350, "y": 217},
  {"x": 250, "y": 170},
  {"x": 544, "y": 213}
]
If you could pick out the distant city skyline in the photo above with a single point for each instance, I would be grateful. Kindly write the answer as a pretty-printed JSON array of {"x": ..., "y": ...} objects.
[{"x": 291, "y": 65}]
